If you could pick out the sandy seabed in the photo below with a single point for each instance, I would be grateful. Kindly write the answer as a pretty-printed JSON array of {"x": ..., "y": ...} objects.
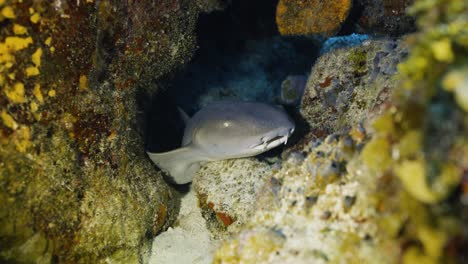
[{"x": 189, "y": 241}]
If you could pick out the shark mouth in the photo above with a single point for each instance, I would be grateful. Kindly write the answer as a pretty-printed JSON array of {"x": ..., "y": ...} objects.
[{"x": 269, "y": 142}]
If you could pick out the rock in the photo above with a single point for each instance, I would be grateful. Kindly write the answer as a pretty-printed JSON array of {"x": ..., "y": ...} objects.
[
  {"x": 292, "y": 89},
  {"x": 385, "y": 17},
  {"x": 76, "y": 184},
  {"x": 296, "y": 17},
  {"x": 311, "y": 217},
  {"x": 227, "y": 191},
  {"x": 350, "y": 85}
]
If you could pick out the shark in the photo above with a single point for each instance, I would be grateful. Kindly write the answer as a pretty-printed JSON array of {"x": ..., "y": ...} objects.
[{"x": 224, "y": 130}]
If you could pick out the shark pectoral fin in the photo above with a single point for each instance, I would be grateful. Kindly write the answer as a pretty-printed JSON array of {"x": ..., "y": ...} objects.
[{"x": 181, "y": 163}]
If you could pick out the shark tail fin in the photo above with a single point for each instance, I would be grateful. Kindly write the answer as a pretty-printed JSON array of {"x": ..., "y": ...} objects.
[{"x": 181, "y": 163}]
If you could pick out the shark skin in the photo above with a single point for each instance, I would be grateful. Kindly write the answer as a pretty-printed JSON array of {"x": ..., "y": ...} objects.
[{"x": 225, "y": 130}]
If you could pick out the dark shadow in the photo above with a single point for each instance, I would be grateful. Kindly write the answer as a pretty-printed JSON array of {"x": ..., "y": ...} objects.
[
  {"x": 164, "y": 125},
  {"x": 351, "y": 22},
  {"x": 302, "y": 127},
  {"x": 163, "y": 128},
  {"x": 241, "y": 55}
]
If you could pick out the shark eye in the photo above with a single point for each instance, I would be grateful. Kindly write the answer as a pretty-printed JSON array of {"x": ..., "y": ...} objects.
[{"x": 227, "y": 124}]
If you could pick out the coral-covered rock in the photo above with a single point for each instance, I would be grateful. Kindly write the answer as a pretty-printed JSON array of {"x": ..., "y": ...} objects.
[
  {"x": 75, "y": 184},
  {"x": 350, "y": 85},
  {"x": 296, "y": 17},
  {"x": 319, "y": 209},
  {"x": 424, "y": 138},
  {"x": 395, "y": 194}
]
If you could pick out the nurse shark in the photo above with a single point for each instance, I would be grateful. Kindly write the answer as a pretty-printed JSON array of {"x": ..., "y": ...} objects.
[{"x": 225, "y": 130}]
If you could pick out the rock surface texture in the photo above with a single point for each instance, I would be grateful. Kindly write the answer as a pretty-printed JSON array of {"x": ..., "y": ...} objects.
[
  {"x": 350, "y": 85},
  {"x": 75, "y": 183},
  {"x": 318, "y": 208},
  {"x": 227, "y": 191}
]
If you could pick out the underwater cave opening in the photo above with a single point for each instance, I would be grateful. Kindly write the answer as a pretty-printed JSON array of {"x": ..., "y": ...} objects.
[{"x": 241, "y": 56}]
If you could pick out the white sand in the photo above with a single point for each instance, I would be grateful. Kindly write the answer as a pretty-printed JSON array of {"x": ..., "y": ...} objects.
[{"x": 189, "y": 242}]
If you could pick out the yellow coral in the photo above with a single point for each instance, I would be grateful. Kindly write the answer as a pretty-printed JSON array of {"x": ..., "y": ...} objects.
[
  {"x": 22, "y": 142},
  {"x": 8, "y": 120},
  {"x": 34, "y": 107},
  {"x": 410, "y": 144},
  {"x": 19, "y": 29},
  {"x": 83, "y": 83},
  {"x": 442, "y": 50},
  {"x": 35, "y": 18},
  {"x": 17, "y": 43},
  {"x": 36, "y": 57},
  {"x": 456, "y": 81},
  {"x": 413, "y": 255},
  {"x": 433, "y": 241},
  {"x": 32, "y": 71},
  {"x": 37, "y": 93},
  {"x": 51, "y": 93},
  {"x": 16, "y": 95},
  {"x": 384, "y": 124},
  {"x": 413, "y": 176},
  {"x": 377, "y": 154},
  {"x": 48, "y": 41},
  {"x": 8, "y": 12}
]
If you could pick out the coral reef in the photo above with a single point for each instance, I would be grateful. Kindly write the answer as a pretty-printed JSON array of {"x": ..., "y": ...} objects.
[
  {"x": 320, "y": 207},
  {"x": 423, "y": 139},
  {"x": 75, "y": 183},
  {"x": 296, "y": 17},
  {"x": 391, "y": 187},
  {"x": 350, "y": 85}
]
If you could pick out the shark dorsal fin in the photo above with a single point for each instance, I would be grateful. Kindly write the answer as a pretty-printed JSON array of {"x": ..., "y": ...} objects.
[{"x": 183, "y": 115}]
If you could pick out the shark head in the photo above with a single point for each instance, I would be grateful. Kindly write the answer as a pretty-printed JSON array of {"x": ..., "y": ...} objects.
[
  {"x": 233, "y": 129},
  {"x": 225, "y": 130}
]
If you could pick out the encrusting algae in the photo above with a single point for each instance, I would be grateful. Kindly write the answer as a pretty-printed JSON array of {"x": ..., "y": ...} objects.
[{"x": 295, "y": 17}]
